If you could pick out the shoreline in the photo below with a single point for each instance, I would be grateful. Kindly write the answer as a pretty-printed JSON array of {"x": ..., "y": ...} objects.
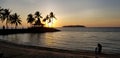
[{"x": 7, "y": 49}]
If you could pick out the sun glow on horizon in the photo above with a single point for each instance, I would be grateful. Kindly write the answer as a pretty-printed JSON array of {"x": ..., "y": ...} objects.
[{"x": 52, "y": 23}]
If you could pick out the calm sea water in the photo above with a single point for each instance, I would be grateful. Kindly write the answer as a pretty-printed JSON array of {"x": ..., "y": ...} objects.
[{"x": 72, "y": 39}]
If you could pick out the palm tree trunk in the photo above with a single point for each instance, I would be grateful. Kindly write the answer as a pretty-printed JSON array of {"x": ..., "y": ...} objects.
[
  {"x": 6, "y": 25},
  {"x": 15, "y": 27}
]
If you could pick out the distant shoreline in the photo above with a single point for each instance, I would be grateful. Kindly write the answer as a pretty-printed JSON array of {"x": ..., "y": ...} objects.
[{"x": 74, "y": 26}]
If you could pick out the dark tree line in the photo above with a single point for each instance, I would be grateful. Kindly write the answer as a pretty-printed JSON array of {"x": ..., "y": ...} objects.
[
  {"x": 36, "y": 19},
  {"x": 6, "y": 16}
]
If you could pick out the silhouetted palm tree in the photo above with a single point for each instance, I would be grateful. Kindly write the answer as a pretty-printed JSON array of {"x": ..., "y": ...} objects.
[
  {"x": 0, "y": 12},
  {"x": 51, "y": 17},
  {"x": 5, "y": 13},
  {"x": 15, "y": 19},
  {"x": 30, "y": 19},
  {"x": 46, "y": 19},
  {"x": 38, "y": 16}
]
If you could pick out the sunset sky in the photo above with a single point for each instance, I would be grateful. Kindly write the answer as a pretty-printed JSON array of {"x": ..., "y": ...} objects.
[{"x": 91, "y": 13}]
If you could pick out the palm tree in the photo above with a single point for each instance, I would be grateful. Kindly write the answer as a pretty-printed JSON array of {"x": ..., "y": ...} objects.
[
  {"x": 51, "y": 17},
  {"x": 30, "y": 19},
  {"x": 0, "y": 12},
  {"x": 46, "y": 19},
  {"x": 15, "y": 19},
  {"x": 38, "y": 16},
  {"x": 5, "y": 13}
]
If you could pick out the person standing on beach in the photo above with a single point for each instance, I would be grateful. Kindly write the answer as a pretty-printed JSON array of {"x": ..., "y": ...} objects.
[{"x": 99, "y": 48}]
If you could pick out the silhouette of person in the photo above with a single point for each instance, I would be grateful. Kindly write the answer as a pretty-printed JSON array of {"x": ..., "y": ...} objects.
[{"x": 99, "y": 48}]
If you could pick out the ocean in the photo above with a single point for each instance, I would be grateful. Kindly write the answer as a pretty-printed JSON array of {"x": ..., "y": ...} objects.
[{"x": 70, "y": 38}]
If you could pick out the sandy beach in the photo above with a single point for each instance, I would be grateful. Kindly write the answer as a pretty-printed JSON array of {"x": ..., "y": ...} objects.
[{"x": 11, "y": 50}]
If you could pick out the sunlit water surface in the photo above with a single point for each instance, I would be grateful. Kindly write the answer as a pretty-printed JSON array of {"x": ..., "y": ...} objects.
[{"x": 72, "y": 39}]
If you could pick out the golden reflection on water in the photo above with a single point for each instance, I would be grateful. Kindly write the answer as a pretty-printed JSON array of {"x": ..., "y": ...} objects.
[{"x": 48, "y": 40}]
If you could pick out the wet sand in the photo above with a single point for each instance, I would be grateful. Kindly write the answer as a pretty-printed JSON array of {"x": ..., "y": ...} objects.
[{"x": 11, "y": 50}]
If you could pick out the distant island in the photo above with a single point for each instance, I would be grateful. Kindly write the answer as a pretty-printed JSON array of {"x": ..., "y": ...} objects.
[{"x": 74, "y": 26}]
